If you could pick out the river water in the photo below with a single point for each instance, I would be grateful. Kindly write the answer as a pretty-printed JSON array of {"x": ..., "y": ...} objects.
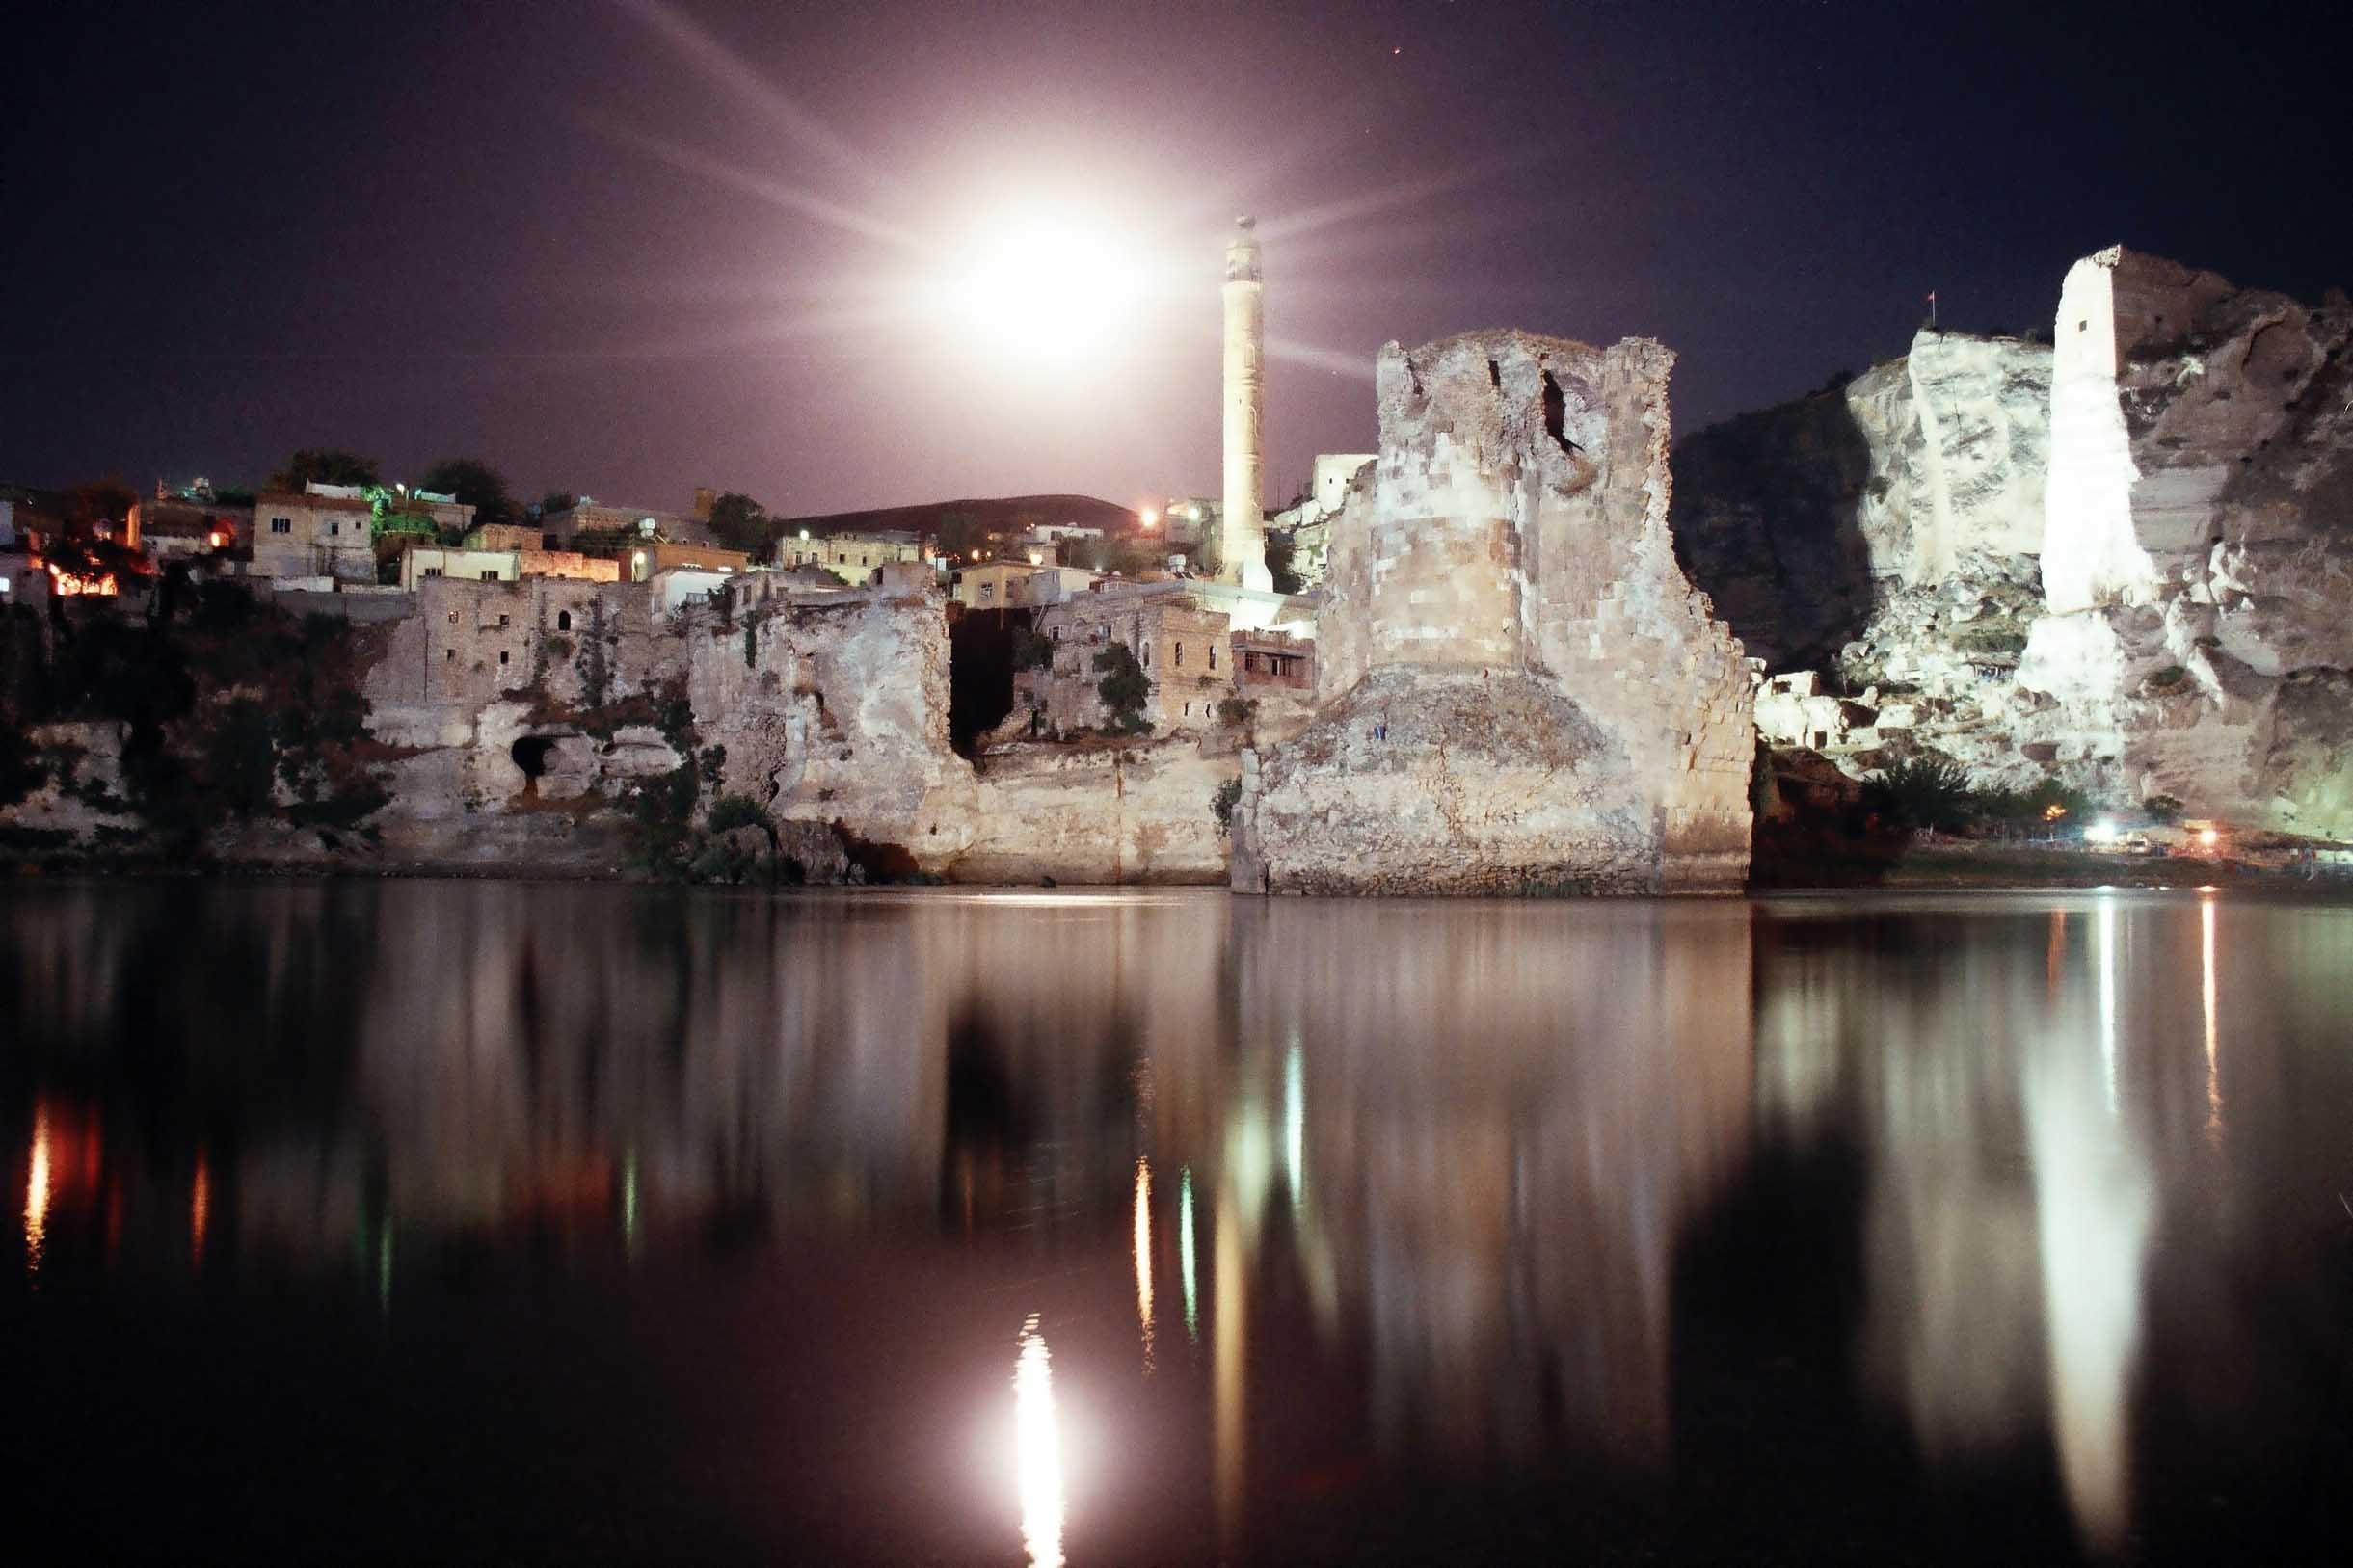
[{"x": 445, "y": 1221}]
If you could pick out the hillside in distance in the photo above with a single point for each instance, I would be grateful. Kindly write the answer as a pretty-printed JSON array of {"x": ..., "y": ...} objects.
[{"x": 1004, "y": 514}]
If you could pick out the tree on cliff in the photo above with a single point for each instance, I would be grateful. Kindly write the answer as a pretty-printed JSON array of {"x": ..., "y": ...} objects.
[
  {"x": 324, "y": 465},
  {"x": 741, "y": 523},
  {"x": 959, "y": 534},
  {"x": 102, "y": 501},
  {"x": 476, "y": 484},
  {"x": 1124, "y": 688},
  {"x": 1279, "y": 556}
]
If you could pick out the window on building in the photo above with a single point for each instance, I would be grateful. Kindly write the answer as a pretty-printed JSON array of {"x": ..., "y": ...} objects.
[
  {"x": 988, "y": 590},
  {"x": 502, "y": 619},
  {"x": 1212, "y": 655},
  {"x": 1180, "y": 655},
  {"x": 502, "y": 655},
  {"x": 334, "y": 528},
  {"x": 490, "y": 576},
  {"x": 453, "y": 618},
  {"x": 1055, "y": 634},
  {"x": 563, "y": 620},
  {"x": 434, "y": 572},
  {"x": 450, "y": 653},
  {"x": 281, "y": 526},
  {"x": 1147, "y": 660}
]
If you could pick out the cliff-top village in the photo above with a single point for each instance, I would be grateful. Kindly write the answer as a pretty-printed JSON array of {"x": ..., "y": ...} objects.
[{"x": 2077, "y": 590}]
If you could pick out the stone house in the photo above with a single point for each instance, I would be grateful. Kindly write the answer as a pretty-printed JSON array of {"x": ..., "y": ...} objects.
[
  {"x": 312, "y": 535},
  {"x": 1274, "y": 664},
  {"x": 1016, "y": 585},
  {"x": 419, "y": 562},
  {"x": 643, "y": 562},
  {"x": 1182, "y": 644},
  {"x": 854, "y": 558},
  {"x": 1000, "y": 585},
  {"x": 483, "y": 639},
  {"x": 503, "y": 536}
]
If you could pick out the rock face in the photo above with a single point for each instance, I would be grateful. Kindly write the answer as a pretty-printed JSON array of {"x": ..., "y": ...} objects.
[
  {"x": 832, "y": 709},
  {"x": 1137, "y": 812},
  {"x": 2127, "y": 564},
  {"x": 829, "y": 711},
  {"x": 1516, "y": 687},
  {"x": 1799, "y": 521}
]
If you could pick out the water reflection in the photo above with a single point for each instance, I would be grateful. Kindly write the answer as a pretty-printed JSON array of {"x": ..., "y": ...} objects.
[
  {"x": 1439, "y": 1171},
  {"x": 2209, "y": 995},
  {"x": 1037, "y": 1446},
  {"x": 2038, "y": 1156},
  {"x": 2094, "y": 1209},
  {"x": 36, "y": 1192}
]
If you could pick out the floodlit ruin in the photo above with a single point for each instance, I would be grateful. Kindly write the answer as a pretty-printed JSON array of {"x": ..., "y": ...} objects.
[{"x": 1517, "y": 689}]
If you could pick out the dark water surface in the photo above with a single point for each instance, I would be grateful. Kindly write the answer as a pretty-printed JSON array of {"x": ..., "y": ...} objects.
[{"x": 434, "y": 1221}]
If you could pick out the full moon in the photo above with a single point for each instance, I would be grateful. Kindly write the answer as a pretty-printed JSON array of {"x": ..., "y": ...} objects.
[{"x": 1047, "y": 289}]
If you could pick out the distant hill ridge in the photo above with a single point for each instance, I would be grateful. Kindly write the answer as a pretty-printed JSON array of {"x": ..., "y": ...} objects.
[{"x": 993, "y": 513}]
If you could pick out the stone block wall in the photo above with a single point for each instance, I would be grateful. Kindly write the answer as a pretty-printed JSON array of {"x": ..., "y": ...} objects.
[
  {"x": 1099, "y": 814},
  {"x": 1518, "y": 687}
]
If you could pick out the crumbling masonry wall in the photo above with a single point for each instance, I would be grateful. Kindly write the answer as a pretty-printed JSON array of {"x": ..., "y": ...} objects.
[{"x": 1518, "y": 687}]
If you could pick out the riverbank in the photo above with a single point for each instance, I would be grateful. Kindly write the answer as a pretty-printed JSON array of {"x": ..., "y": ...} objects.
[{"x": 1945, "y": 867}]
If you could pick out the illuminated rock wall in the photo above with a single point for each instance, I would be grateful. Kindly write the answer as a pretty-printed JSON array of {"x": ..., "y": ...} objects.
[
  {"x": 1098, "y": 814},
  {"x": 1517, "y": 686},
  {"x": 832, "y": 709},
  {"x": 2177, "y": 626},
  {"x": 1803, "y": 521},
  {"x": 829, "y": 709}
]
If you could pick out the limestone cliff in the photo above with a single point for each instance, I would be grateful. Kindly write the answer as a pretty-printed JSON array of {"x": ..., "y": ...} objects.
[
  {"x": 1099, "y": 812},
  {"x": 547, "y": 726},
  {"x": 2121, "y": 559},
  {"x": 1517, "y": 686},
  {"x": 823, "y": 709},
  {"x": 1801, "y": 522}
]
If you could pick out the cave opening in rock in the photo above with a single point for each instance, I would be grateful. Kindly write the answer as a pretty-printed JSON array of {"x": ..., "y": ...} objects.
[{"x": 531, "y": 753}]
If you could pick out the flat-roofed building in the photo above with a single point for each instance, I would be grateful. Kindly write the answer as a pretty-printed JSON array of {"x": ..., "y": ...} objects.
[
  {"x": 313, "y": 536},
  {"x": 854, "y": 558},
  {"x": 420, "y": 562},
  {"x": 643, "y": 562}
]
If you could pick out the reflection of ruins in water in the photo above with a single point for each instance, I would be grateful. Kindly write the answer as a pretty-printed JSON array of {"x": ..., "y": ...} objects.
[
  {"x": 1476, "y": 1148},
  {"x": 2045, "y": 1098},
  {"x": 1485, "y": 1141},
  {"x": 1457, "y": 1145}
]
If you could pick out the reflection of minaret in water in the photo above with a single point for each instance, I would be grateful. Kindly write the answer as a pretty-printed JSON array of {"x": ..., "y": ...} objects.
[{"x": 1246, "y": 410}]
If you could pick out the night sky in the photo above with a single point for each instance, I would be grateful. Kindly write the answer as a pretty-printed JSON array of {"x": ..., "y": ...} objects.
[{"x": 626, "y": 248}]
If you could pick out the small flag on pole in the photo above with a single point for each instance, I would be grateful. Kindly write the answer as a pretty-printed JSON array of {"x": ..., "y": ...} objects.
[{"x": 1932, "y": 307}]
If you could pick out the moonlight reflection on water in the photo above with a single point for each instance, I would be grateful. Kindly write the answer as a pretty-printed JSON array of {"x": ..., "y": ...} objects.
[{"x": 1673, "y": 1215}]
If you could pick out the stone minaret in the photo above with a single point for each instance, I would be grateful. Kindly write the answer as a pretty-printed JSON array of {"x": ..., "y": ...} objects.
[{"x": 1246, "y": 410}]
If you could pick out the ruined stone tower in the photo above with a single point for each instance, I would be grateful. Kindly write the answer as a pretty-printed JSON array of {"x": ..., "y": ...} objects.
[
  {"x": 1517, "y": 689},
  {"x": 1246, "y": 410}
]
